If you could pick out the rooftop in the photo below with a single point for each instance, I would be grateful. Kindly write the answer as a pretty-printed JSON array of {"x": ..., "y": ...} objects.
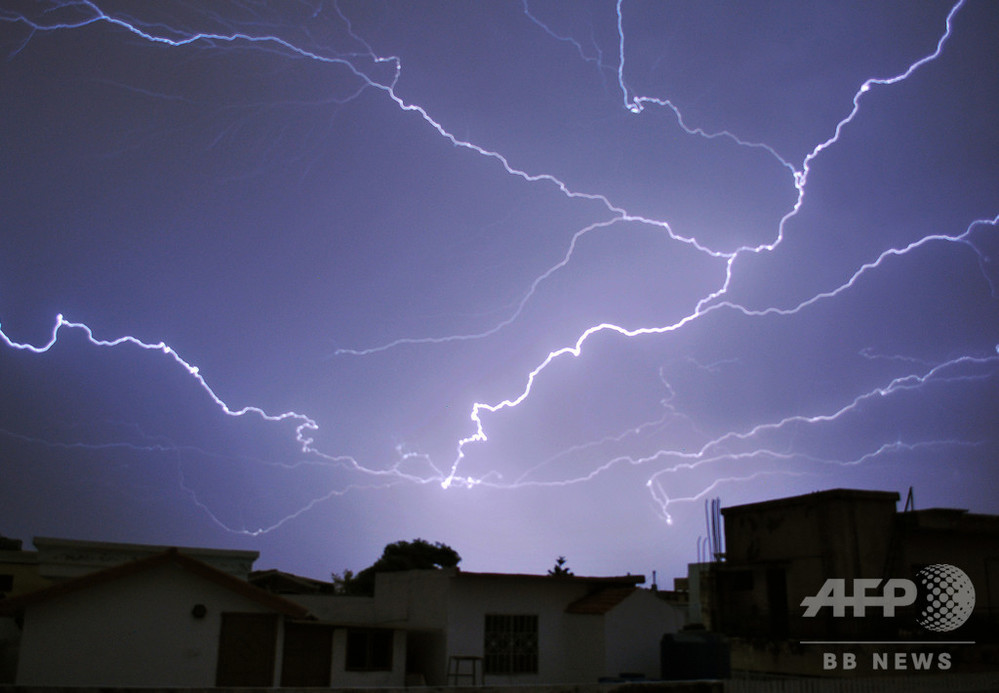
[{"x": 831, "y": 495}]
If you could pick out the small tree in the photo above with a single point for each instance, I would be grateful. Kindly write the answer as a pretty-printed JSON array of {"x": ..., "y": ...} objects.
[
  {"x": 560, "y": 569},
  {"x": 343, "y": 582}
]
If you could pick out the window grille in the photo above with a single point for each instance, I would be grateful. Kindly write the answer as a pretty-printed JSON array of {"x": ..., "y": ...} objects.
[{"x": 511, "y": 644}]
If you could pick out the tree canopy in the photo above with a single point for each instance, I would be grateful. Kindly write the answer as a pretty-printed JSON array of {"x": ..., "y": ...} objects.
[{"x": 417, "y": 554}]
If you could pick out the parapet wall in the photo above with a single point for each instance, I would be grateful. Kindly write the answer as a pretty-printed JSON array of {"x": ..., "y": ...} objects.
[{"x": 629, "y": 687}]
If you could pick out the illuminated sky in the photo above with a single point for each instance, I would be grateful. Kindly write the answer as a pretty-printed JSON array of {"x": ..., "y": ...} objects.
[{"x": 531, "y": 279}]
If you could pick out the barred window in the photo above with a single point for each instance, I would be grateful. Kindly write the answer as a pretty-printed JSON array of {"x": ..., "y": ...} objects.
[{"x": 511, "y": 644}]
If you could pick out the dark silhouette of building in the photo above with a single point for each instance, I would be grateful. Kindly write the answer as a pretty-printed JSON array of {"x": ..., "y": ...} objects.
[{"x": 780, "y": 552}]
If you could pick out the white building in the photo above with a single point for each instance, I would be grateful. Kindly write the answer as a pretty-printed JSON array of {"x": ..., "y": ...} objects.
[
  {"x": 128, "y": 615},
  {"x": 162, "y": 620},
  {"x": 171, "y": 620},
  {"x": 513, "y": 629}
]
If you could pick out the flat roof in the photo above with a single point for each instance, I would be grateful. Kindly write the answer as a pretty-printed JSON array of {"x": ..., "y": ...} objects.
[
  {"x": 50, "y": 543},
  {"x": 614, "y": 580},
  {"x": 816, "y": 497}
]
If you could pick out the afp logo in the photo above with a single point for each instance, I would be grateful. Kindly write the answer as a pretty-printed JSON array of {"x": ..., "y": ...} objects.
[{"x": 946, "y": 594}]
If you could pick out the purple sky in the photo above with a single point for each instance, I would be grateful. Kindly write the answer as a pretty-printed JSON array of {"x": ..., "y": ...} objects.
[{"x": 531, "y": 279}]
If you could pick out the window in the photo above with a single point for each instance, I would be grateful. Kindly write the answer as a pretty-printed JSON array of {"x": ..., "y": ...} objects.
[
  {"x": 777, "y": 602},
  {"x": 511, "y": 644},
  {"x": 369, "y": 649}
]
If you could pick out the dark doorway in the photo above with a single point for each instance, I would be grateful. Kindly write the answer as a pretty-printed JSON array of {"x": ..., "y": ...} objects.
[
  {"x": 426, "y": 657},
  {"x": 308, "y": 654},
  {"x": 246, "y": 650}
]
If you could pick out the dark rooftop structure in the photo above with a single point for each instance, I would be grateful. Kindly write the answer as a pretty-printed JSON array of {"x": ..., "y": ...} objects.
[{"x": 779, "y": 552}]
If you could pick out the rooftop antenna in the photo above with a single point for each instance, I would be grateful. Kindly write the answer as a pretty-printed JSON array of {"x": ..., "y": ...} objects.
[
  {"x": 709, "y": 546},
  {"x": 717, "y": 551},
  {"x": 910, "y": 502}
]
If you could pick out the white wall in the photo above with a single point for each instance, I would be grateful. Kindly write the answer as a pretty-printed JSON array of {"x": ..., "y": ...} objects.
[
  {"x": 338, "y": 608},
  {"x": 135, "y": 631},
  {"x": 634, "y": 629},
  {"x": 573, "y": 648},
  {"x": 417, "y": 597},
  {"x": 472, "y": 597},
  {"x": 407, "y": 601},
  {"x": 585, "y": 647}
]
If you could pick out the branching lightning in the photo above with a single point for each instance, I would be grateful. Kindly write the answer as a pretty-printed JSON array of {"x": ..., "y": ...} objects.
[
  {"x": 305, "y": 424},
  {"x": 755, "y": 448}
]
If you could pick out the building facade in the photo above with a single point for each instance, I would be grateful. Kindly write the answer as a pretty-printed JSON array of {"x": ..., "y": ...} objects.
[
  {"x": 123, "y": 615},
  {"x": 779, "y": 553},
  {"x": 505, "y": 629}
]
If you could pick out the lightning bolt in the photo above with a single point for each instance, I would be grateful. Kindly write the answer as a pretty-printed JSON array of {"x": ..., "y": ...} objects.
[
  {"x": 371, "y": 71},
  {"x": 712, "y": 302},
  {"x": 304, "y": 423}
]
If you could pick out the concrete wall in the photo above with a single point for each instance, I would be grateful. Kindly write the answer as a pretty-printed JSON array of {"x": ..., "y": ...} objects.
[
  {"x": 634, "y": 629},
  {"x": 10, "y": 643},
  {"x": 585, "y": 643},
  {"x": 443, "y": 614},
  {"x": 570, "y": 646},
  {"x": 23, "y": 568},
  {"x": 834, "y": 534},
  {"x": 968, "y": 541},
  {"x": 136, "y": 631},
  {"x": 338, "y": 608},
  {"x": 418, "y": 597},
  {"x": 847, "y": 531}
]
